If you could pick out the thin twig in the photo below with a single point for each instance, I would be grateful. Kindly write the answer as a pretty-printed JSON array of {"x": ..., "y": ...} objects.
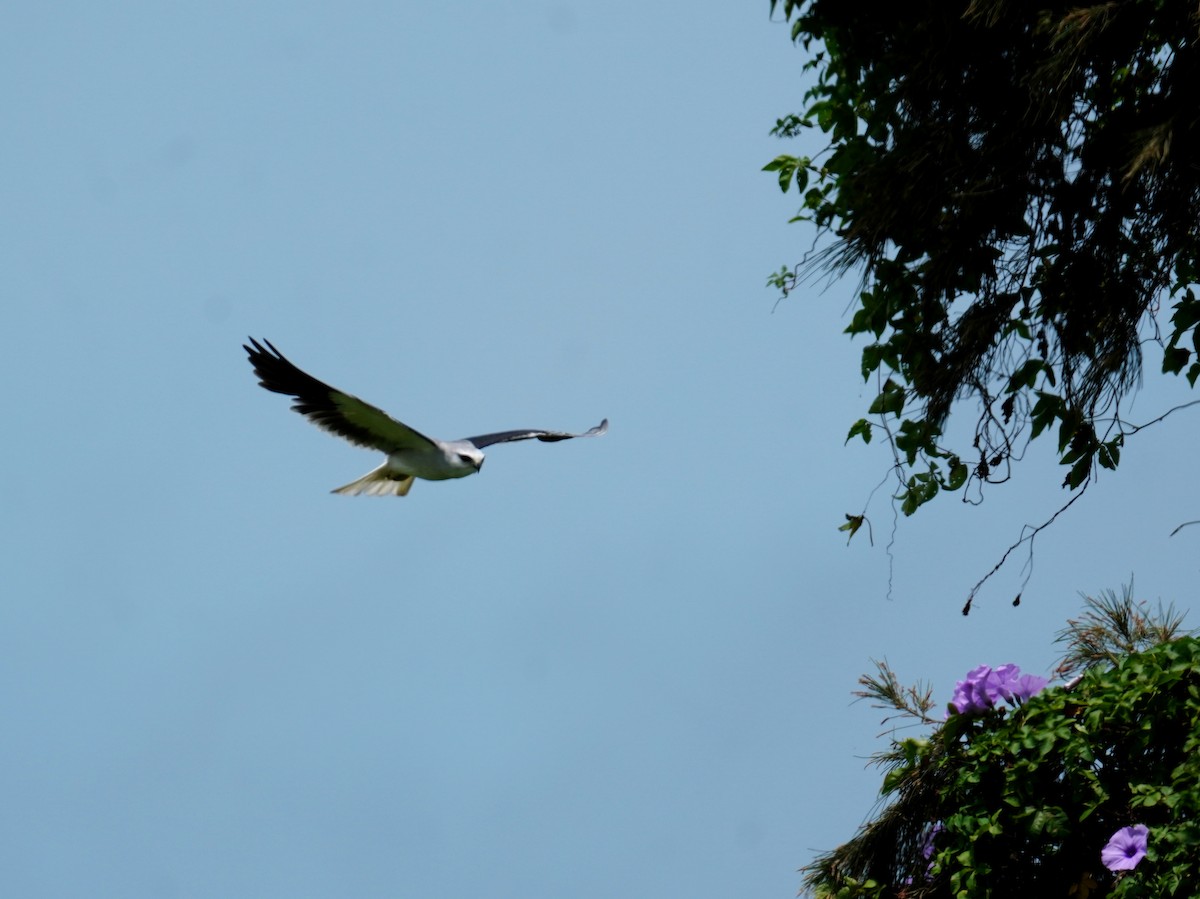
[
  {"x": 1025, "y": 537},
  {"x": 1135, "y": 428}
]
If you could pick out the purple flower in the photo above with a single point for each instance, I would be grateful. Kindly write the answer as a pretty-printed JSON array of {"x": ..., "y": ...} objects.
[
  {"x": 1027, "y": 685},
  {"x": 977, "y": 693},
  {"x": 927, "y": 846},
  {"x": 1003, "y": 678},
  {"x": 1125, "y": 849},
  {"x": 984, "y": 686}
]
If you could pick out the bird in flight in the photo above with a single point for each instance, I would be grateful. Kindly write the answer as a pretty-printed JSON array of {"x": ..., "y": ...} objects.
[{"x": 410, "y": 454}]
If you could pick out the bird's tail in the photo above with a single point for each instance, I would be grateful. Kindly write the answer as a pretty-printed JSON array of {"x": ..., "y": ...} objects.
[{"x": 379, "y": 482}]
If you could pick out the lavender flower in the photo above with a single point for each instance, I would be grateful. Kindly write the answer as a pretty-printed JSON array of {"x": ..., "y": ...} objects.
[
  {"x": 984, "y": 686},
  {"x": 1125, "y": 849},
  {"x": 1002, "y": 679},
  {"x": 975, "y": 694},
  {"x": 927, "y": 846},
  {"x": 1027, "y": 685}
]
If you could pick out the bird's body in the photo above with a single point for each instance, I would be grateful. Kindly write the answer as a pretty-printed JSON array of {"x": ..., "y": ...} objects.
[
  {"x": 410, "y": 454},
  {"x": 454, "y": 459}
]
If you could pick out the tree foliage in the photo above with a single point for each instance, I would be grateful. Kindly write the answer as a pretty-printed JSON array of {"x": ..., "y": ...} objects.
[
  {"x": 1021, "y": 801},
  {"x": 1019, "y": 186}
]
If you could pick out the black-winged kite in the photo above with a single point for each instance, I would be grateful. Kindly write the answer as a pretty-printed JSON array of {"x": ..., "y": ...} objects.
[{"x": 410, "y": 454}]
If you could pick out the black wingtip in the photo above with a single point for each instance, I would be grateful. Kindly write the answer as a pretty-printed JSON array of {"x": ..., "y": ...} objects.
[
  {"x": 257, "y": 349},
  {"x": 277, "y": 373}
]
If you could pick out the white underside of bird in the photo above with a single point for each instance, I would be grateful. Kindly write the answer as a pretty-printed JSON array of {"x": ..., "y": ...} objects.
[{"x": 395, "y": 477}]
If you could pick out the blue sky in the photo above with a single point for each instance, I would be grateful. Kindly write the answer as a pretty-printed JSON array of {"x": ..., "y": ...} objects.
[{"x": 616, "y": 667}]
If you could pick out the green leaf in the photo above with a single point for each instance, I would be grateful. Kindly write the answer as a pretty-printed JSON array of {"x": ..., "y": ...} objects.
[
  {"x": 1174, "y": 359},
  {"x": 1047, "y": 408},
  {"x": 1187, "y": 313},
  {"x": 1109, "y": 455},
  {"x": 958, "y": 474},
  {"x": 922, "y": 487},
  {"x": 1079, "y": 473},
  {"x": 785, "y": 177},
  {"x": 915, "y": 438},
  {"x": 1025, "y": 376},
  {"x": 1020, "y": 328},
  {"x": 853, "y": 523},
  {"x": 787, "y": 167},
  {"x": 789, "y": 126},
  {"x": 1066, "y": 432},
  {"x": 861, "y": 428},
  {"x": 872, "y": 356},
  {"x": 824, "y": 112},
  {"x": 890, "y": 399}
]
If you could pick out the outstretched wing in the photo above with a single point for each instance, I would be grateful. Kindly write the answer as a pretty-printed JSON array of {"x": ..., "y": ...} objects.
[
  {"x": 546, "y": 436},
  {"x": 330, "y": 409}
]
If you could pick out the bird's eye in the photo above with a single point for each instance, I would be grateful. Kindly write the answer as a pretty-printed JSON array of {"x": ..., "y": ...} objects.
[{"x": 465, "y": 459}]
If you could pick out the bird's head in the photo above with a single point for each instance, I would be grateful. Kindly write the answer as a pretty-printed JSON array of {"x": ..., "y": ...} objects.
[{"x": 466, "y": 455}]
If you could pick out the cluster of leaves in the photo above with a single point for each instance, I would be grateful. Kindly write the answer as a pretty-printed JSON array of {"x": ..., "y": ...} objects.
[
  {"x": 1018, "y": 185},
  {"x": 1020, "y": 802}
]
